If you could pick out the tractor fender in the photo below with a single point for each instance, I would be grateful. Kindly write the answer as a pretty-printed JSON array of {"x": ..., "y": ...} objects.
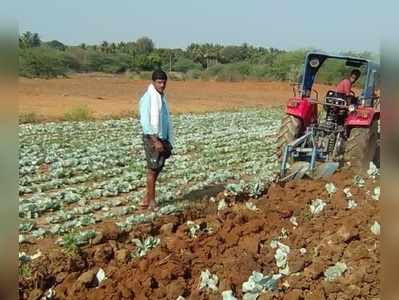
[
  {"x": 301, "y": 108},
  {"x": 362, "y": 117}
]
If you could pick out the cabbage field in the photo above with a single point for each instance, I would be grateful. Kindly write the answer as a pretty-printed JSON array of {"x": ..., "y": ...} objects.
[
  {"x": 224, "y": 230},
  {"x": 74, "y": 175}
]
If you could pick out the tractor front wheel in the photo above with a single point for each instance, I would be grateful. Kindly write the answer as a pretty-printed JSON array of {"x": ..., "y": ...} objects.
[
  {"x": 361, "y": 146},
  {"x": 290, "y": 130}
]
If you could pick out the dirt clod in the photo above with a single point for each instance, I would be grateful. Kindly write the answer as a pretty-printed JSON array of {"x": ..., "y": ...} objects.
[{"x": 238, "y": 244}]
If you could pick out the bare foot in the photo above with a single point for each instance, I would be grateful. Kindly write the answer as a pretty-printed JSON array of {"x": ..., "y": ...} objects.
[
  {"x": 145, "y": 204},
  {"x": 153, "y": 206}
]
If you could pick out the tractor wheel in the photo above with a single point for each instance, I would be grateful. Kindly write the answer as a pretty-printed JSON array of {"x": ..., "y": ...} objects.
[
  {"x": 361, "y": 146},
  {"x": 289, "y": 130}
]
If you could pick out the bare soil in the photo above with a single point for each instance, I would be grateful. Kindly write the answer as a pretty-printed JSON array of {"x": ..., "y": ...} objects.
[
  {"x": 238, "y": 245},
  {"x": 108, "y": 96}
]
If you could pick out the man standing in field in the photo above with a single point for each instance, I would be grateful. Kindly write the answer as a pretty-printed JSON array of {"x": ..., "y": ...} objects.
[{"x": 157, "y": 133}]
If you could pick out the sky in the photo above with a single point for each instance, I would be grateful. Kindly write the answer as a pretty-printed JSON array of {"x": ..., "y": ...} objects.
[{"x": 285, "y": 24}]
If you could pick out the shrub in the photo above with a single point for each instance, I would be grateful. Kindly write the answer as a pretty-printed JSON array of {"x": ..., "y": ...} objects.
[
  {"x": 242, "y": 68},
  {"x": 215, "y": 70},
  {"x": 73, "y": 64},
  {"x": 193, "y": 74},
  {"x": 176, "y": 76},
  {"x": 121, "y": 115},
  {"x": 231, "y": 54},
  {"x": 27, "y": 117},
  {"x": 185, "y": 64},
  {"x": 56, "y": 45},
  {"x": 80, "y": 113},
  {"x": 232, "y": 63},
  {"x": 146, "y": 62},
  {"x": 114, "y": 68},
  {"x": 205, "y": 76},
  {"x": 76, "y": 59},
  {"x": 145, "y": 75},
  {"x": 260, "y": 72},
  {"x": 94, "y": 60},
  {"x": 230, "y": 75},
  {"x": 228, "y": 72},
  {"x": 42, "y": 62},
  {"x": 285, "y": 62}
]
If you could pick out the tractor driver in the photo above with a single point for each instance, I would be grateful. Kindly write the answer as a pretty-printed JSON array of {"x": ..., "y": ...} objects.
[{"x": 344, "y": 88}]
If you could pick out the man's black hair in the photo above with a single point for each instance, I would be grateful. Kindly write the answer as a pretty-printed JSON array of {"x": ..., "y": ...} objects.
[
  {"x": 356, "y": 72},
  {"x": 159, "y": 75}
]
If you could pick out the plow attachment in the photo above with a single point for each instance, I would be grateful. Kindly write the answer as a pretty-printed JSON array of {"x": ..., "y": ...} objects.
[{"x": 307, "y": 160}]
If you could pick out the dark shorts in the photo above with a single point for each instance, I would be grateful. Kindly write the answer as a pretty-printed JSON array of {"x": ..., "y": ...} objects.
[{"x": 156, "y": 160}]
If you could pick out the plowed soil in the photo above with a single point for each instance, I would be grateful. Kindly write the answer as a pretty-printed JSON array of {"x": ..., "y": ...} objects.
[
  {"x": 110, "y": 96},
  {"x": 238, "y": 245}
]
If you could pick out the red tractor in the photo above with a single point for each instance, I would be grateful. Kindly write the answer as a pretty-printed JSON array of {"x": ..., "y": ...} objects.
[{"x": 317, "y": 141}]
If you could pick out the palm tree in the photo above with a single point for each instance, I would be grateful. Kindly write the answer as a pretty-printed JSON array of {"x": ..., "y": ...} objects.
[
  {"x": 113, "y": 48},
  {"x": 121, "y": 46},
  {"x": 144, "y": 45},
  {"x": 26, "y": 39},
  {"x": 197, "y": 53},
  {"x": 36, "y": 42},
  {"x": 104, "y": 47},
  {"x": 29, "y": 40}
]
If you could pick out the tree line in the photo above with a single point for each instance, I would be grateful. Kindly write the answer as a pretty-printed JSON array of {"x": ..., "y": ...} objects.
[{"x": 49, "y": 59}]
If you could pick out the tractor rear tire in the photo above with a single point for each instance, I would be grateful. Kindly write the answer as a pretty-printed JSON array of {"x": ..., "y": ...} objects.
[
  {"x": 290, "y": 130},
  {"x": 361, "y": 146}
]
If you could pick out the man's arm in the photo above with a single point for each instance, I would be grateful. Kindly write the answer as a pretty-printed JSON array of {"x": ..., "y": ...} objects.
[{"x": 145, "y": 120}]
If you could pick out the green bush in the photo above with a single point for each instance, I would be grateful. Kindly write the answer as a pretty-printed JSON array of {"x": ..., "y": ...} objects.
[
  {"x": 76, "y": 59},
  {"x": 242, "y": 68},
  {"x": 146, "y": 62},
  {"x": 80, "y": 113},
  {"x": 332, "y": 72},
  {"x": 193, "y": 74},
  {"x": 42, "y": 62},
  {"x": 231, "y": 54},
  {"x": 114, "y": 68},
  {"x": 231, "y": 63},
  {"x": 96, "y": 61},
  {"x": 134, "y": 75},
  {"x": 145, "y": 75},
  {"x": 206, "y": 76},
  {"x": 176, "y": 76},
  {"x": 233, "y": 76},
  {"x": 285, "y": 62},
  {"x": 228, "y": 72},
  {"x": 72, "y": 63},
  {"x": 214, "y": 70},
  {"x": 260, "y": 72},
  {"x": 56, "y": 45},
  {"x": 185, "y": 64}
]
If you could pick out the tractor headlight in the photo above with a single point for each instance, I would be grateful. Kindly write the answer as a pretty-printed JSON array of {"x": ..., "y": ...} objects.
[{"x": 351, "y": 108}]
